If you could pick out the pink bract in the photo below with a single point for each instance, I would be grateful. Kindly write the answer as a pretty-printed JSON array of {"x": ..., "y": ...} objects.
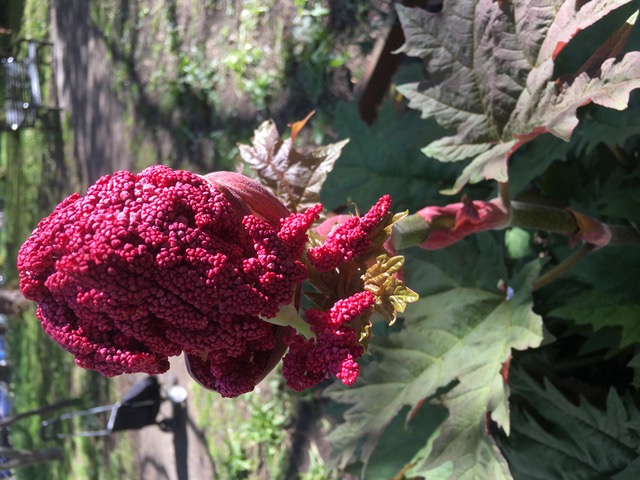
[{"x": 470, "y": 216}]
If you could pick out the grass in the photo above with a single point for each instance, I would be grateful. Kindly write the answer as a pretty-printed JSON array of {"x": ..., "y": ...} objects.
[
  {"x": 203, "y": 100},
  {"x": 311, "y": 48},
  {"x": 246, "y": 434},
  {"x": 247, "y": 61},
  {"x": 250, "y": 437}
]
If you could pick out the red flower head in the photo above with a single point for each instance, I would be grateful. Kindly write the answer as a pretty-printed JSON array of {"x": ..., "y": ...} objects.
[
  {"x": 350, "y": 238},
  {"x": 335, "y": 349},
  {"x": 144, "y": 267},
  {"x": 354, "y": 275}
]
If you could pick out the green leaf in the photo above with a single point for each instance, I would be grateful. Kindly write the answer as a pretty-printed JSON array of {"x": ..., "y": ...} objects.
[
  {"x": 606, "y": 125},
  {"x": 611, "y": 294},
  {"x": 600, "y": 311},
  {"x": 518, "y": 242},
  {"x": 457, "y": 339},
  {"x": 553, "y": 437},
  {"x": 295, "y": 178},
  {"x": 620, "y": 197},
  {"x": 587, "y": 41},
  {"x": 532, "y": 159},
  {"x": 392, "y": 295},
  {"x": 402, "y": 440},
  {"x": 477, "y": 262},
  {"x": 490, "y": 76},
  {"x": 385, "y": 158},
  {"x": 632, "y": 472}
]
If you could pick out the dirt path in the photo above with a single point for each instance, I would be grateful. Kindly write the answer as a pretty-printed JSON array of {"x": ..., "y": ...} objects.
[
  {"x": 100, "y": 146},
  {"x": 177, "y": 455},
  {"x": 83, "y": 78}
]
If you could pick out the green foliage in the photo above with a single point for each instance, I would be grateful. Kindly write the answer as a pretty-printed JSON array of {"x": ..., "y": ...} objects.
[
  {"x": 515, "y": 89},
  {"x": 247, "y": 435},
  {"x": 599, "y": 124},
  {"x": 385, "y": 157},
  {"x": 607, "y": 294},
  {"x": 34, "y": 19},
  {"x": 456, "y": 339},
  {"x": 544, "y": 96},
  {"x": 554, "y": 437},
  {"x": 502, "y": 92},
  {"x": 251, "y": 70},
  {"x": 312, "y": 47},
  {"x": 196, "y": 76}
]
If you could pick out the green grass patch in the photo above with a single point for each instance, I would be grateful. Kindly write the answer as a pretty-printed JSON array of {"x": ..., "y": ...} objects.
[
  {"x": 31, "y": 185},
  {"x": 246, "y": 435},
  {"x": 35, "y": 19},
  {"x": 249, "y": 437}
]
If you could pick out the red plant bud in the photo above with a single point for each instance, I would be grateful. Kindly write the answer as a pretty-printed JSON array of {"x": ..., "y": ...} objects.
[{"x": 466, "y": 217}]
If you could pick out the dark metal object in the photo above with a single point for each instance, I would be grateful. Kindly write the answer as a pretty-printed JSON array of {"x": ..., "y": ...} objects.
[{"x": 22, "y": 93}]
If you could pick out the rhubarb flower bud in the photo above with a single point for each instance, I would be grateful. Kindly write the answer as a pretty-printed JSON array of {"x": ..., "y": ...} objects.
[{"x": 458, "y": 220}]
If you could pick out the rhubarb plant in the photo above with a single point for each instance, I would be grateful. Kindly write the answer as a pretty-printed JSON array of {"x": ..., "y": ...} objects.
[
  {"x": 490, "y": 335},
  {"x": 520, "y": 360}
]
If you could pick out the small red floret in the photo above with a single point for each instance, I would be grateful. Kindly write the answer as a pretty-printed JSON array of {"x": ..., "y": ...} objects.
[
  {"x": 349, "y": 239},
  {"x": 336, "y": 348}
]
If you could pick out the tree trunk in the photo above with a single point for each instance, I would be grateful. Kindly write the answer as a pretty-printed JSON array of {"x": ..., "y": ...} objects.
[{"x": 12, "y": 302}]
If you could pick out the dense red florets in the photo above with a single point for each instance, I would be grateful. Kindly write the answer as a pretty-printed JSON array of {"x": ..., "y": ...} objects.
[
  {"x": 335, "y": 349},
  {"x": 349, "y": 239},
  {"x": 146, "y": 266}
]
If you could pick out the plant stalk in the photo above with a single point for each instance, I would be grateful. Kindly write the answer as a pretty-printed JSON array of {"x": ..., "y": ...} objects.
[
  {"x": 505, "y": 197},
  {"x": 568, "y": 263},
  {"x": 288, "y": 317},
  {"x": 532, "y": 216},
  {"x": 413, "y": 230},
  {"x": 410, "y": 231}
]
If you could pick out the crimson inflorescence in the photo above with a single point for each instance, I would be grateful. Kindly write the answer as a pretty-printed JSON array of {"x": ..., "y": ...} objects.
[{"x": 148, "y": 266}]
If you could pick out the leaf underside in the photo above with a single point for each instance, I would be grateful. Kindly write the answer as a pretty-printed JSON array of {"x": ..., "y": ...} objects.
[
  {"x": 490, "y": 68},
  {"x": 294, "y": 177}
]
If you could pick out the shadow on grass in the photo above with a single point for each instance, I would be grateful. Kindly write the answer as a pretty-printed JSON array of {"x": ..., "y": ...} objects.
[
  {"x": 184, "y": 115},
  {"x": 191, "y": 116},
  {"x": 182, "y": 422}
]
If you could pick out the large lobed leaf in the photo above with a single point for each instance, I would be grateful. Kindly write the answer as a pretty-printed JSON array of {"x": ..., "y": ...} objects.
[
  {"x": 456, "y": 339},
  {"x": 385, "y": 157},
  {"x": 553, "y": 437},
  {"x": 490, "y": 69},
  {"x": 609, "y": 126},
  {"x": 294, "y": 177}
]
